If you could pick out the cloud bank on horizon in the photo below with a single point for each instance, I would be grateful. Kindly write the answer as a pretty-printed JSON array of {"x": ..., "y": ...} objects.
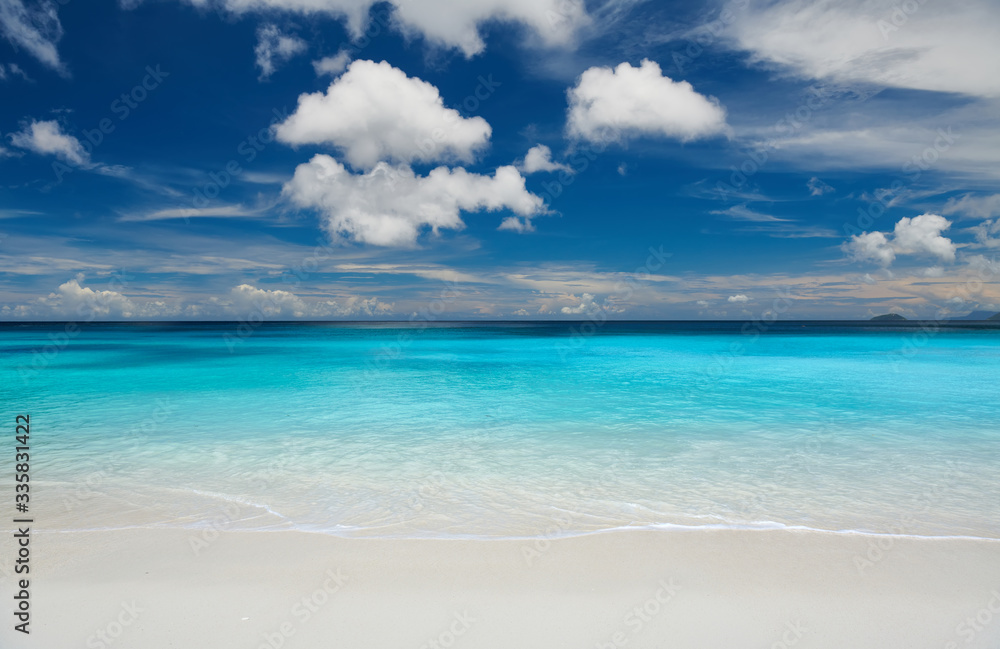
[{"x": 324, "y": 159}]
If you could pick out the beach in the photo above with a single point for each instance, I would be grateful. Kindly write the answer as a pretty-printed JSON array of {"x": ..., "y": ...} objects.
[
  {"x": 504, "y": 486},
  {"x": 700, "y": 588}
]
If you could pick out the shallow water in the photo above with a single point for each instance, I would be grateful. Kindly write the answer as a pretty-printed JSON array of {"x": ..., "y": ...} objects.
[{"x": 492, "y": 430}]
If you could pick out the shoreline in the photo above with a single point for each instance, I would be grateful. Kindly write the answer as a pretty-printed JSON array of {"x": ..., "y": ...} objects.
[
  {"x": 641, "y": 588},
  {"x": 658, "y": 527}
]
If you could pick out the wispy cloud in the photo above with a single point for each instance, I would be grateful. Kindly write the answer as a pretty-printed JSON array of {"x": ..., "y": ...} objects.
[{"x": 219, "y": 211}]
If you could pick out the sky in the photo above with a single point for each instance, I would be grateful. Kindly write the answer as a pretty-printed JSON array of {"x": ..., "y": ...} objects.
[{"x": 498, "y": 159}]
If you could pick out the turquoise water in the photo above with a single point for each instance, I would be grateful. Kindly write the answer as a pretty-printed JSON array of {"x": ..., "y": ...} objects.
[{"x": 520, "y": 430}]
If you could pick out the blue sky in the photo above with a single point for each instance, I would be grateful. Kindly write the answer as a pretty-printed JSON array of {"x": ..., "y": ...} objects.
[{"x": 343, "y": 159}]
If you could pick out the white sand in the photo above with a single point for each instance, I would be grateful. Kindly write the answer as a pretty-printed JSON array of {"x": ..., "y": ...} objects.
[{"x": 147, "y": 589}]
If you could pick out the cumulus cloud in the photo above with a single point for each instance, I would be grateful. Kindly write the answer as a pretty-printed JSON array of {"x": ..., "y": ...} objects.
[
  {"x": 738, "y": 299},
  {"x": 870, "y": 246},
  {"x": 74, "y": 301},
  {"x": 275, "y": 48},
  {"x": 920, "y": 45},
  {"x": 390, "y": 206},
  {"x": 332, "y": 65},
  {"x": 922, "y": 234},
  {"x": 817, "y": 187},
  {"x": 374, "y": 112},
  {"x": 587, "y": 305},
  {"x": 539, "y": 158},
  {"x": 911, "y": 236},
  {"x": 613, "y": 104},
  {"x": 35, "y": 28},
  {"x": 452, "y": 25},
  {"x": 48, "y": 138},
  {"x": 247, "y": 301}
]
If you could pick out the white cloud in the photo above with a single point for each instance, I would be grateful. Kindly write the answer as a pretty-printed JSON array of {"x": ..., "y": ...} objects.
[
  {"x": 613, "y": 104},
  {"x": 246, "y": 300},
  {"x": 744, "y": 213},
  {"x": 275, "y": 48},
  {"x": 983, "y": 207},
  {"x": 389, "y": 206},
  {"x": 539, "y": 158},
  {"x": 702, "y": 303},
  {"x": 817, "y": 187},
  {"x": 48, "y": 138},
  {"x": 12, "y": 69},
  {"x": 448, "y": 24},
  {"x": 920, "y": 45},
  {"x": 922, "y": 234},
  {"x": 738, "y": 299},
  {"x": 517, "y": 224},
  {"x": 587, "y": 305},
  {"x": 332, "y": 65},
  {"x": 911, "y": 236},
  {"x": 191, "y": 213},
  {"x": 374, "y": 112},
  {"x": 77, "y": 302},
  {"x": 74, "y": 301},
  {"x": 35, "y": 29},
  {"x": 985, "y": 232},
  {"x": 870, "y": 246}
]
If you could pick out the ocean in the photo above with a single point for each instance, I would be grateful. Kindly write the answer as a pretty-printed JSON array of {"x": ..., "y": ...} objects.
[{"x": 509, "y": 430}]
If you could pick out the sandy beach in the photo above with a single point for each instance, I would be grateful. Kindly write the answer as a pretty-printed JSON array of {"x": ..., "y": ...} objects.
[{"x": 153, "y": 588}]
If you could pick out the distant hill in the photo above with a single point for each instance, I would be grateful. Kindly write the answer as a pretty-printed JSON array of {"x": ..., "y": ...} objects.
[
  {"x": 979, "y": 315},
  {"x": 888, "y": 316}
]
